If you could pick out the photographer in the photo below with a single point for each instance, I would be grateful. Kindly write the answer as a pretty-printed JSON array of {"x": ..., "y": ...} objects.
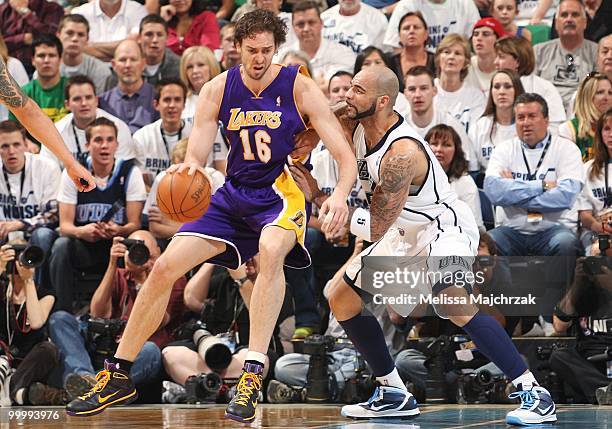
[
  {"x": 24, "y": 344},
  {"x": 588, "y": 305},
  {"x": 114, "y": 299}
]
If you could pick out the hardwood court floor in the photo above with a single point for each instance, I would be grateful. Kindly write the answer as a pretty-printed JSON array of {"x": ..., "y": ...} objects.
[{"x": 308, "y": 416}]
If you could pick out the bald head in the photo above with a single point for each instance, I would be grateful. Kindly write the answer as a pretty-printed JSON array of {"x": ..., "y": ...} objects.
[
  {"x": 604, "y": 56},
  {"x": 149, "y": 241},
  {"x": 129, "y": 64},
  {"x": 381, "y": 81}
]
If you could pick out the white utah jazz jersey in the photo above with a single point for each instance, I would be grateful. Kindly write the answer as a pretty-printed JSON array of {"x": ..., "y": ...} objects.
[{"x": 429, "y": 207}]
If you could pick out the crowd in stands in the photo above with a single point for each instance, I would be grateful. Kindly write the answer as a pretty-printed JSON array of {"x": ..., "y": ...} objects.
[{"x": 513, "y": 96}]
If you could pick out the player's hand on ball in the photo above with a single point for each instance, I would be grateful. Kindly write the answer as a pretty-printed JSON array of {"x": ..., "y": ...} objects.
[
  {"x": 81, "y": 177},
  {"x": 191, "y": 168},
  {"x": 333, "y": 214}
]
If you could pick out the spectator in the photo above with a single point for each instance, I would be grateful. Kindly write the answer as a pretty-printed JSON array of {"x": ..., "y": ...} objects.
[
  {"x": 599, "y": 20},
  {"x": 132, "y": 99},
  {"x": 354, "y": 24},
  {"x": 198, "y": 66},
  {"x": 443, "y": 18},
  {"x": 486, "y": 32},
  {"x": 461, "y": 100},
  {"x": 15, "y": 69},
  {"x": 496, "y": 125},
  {"x": 81, "y": 101},
  {"x": 28, "y": 190},
  {"x": 537, "y": 11},
  {"x": 299, "y": 58},
  {"x": 535, "y": 179},
  {"x": 339, "y": 84},
  {"x": 413, "y": 39},
  {"x": 273, "y": 6},
  {"x": 594, "y": 97},
  {"x": 47, "y": 90},
  {"x": 114, "y": 299},
  {"x": 604, "y": 56},
  {"x": 446, "y": 146},
  {"x": 22, "y": 21},
  {"x": 189, "y": 24},
  {"x": 505, "y": 11},
  {"x": 73, "y": 32},
  {"x": 567, "y": 60},
  {"x": 89, "y": 221},
  {"x": 231, "y": 56},
  {"x": 27, "y": 347},
  {"x": 110, "y": 22},
  {"x": 326, "y": 57},
  {"x": 595, "y": 202},
  {"x": 424, "y": 114},
  {"x": 516, "y": 54}
]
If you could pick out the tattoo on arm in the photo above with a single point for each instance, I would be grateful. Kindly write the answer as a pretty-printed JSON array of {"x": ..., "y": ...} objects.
[
  {"x": 390, "y": 195},
  {"x": 10, "y": 92}
]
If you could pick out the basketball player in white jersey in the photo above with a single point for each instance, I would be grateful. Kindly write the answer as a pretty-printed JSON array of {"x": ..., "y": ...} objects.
[{"x": 415, "y": 216}]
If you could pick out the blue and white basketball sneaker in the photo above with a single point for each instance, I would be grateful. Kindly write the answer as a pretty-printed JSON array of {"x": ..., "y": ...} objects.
[
  {"x": 386, "y": 402},
  {"x": 536, "y": 407}
]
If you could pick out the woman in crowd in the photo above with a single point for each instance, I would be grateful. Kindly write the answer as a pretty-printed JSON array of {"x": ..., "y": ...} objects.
[
  {"x": 594, "y": 97},
  {"x": 24, "y": 343},
  {"x": 198, "y": 66},
  {"x": 413, "y": 36},
  {"x": 516, "y": 54},
  {"x": 295, "y": 58},
  {"x": 497, "y": 122},
  {"x": 505, "y": 11},
  {"x": 446, "y": 146},
  {"x": 463, "y": 101},
  {"x": 594, "y": 203},
  {"x": 189, "y": 24}
]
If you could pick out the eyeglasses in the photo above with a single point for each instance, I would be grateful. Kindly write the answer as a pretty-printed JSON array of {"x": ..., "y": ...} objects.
[
  {"x": 571, "y": 63},
  {"x": 594, "y": 75}
]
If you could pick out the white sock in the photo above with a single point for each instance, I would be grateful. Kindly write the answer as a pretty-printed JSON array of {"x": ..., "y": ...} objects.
[
  {"x": 527, "y": 381},
  {"x": 256, "y": 356},
  {"x": 392, "y": 379},
  {"x": 19, "y": 396}
]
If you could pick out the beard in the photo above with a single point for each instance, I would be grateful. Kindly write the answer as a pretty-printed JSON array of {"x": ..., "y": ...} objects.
[{"x": 366, "y": 113}]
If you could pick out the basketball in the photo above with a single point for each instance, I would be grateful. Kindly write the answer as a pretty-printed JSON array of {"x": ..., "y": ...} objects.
[{"x": 183, "y": 198}]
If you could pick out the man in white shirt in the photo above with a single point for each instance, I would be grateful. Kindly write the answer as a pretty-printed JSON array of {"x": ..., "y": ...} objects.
[
  {"x": 442, "y": 16},
  {"x": 420, "y": 91},
  {"x": 326, "y": 57},
  {"x": 110, "y": 21},
  {"x": 354, "y": 24},
  {"x": 73, "y": 32},
  {"x": 81, "y": 100},
  {"x": 89, "y": 221}
]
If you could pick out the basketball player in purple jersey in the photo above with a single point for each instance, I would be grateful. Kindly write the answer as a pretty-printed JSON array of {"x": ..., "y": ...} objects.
[{"x": 263, "y": 107}]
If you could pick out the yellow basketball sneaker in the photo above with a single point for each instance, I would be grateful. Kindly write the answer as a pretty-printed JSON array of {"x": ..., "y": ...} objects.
[{"x": 242, "y": 406}]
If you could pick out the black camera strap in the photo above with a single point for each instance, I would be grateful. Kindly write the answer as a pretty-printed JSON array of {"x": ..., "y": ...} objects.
[
  {"x": 163, "y": 136},
  {"x": 8, "y": 184}
]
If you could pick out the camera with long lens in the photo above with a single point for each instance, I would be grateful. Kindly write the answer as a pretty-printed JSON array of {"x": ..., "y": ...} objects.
[
  {"x": 203, "y": 388},
  {"x": 138, "y": 252},
  {"x": 318, "y": 376},
  {"x": 216, "y": 350},
  {"x": 482, "y": 387},
  {"x": 593, "y": 264},
  {"x": 29, "y": 256},
  {"x": 104, "y": 333}
]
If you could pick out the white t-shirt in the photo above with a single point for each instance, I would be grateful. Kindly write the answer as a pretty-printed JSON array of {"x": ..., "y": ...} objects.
[
  {"x": 452, "y": 16},
  {"x": 465, "y": 104},
  {"x": 593, "y": 194},
  {"x": 556, "y": 110},
  {"x": 562, "y": 161},
  {"x": 366, "y": 28},
  {"x": 190, "y": 106},
  {"x": 76, "y": 143},
  {"x": 105, "y": 29},
  {"x": 481, "y": 139},
  {"x": 443, "y": 117},
  {"x": 329, "y": 59},
  {"x": 217, "y": 179},
  {"x": 40, "y": 183},
  {"x": 528, "y": 7},
  {"x": 477, "y": 78},
  {"x": 466, "y": 190}
]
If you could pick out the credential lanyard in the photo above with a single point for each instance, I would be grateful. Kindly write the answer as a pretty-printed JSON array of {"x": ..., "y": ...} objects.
[
  {"x": 8, "y": 184},
  {"x": 533, "y": 176}
]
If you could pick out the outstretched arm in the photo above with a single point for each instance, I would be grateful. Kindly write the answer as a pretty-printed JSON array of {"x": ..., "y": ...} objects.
[
  {"x": 397, "y": 170},
  {"x": 40, "y": 126}
]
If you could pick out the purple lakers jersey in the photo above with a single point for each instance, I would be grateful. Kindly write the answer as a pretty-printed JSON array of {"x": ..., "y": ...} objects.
[{"x": 260, "y": 128}]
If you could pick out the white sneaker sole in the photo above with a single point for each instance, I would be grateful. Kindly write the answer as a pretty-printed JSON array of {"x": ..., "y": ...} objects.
[
  {"x": 382, "y": 414},
  {"x": 517, "y": 421}
]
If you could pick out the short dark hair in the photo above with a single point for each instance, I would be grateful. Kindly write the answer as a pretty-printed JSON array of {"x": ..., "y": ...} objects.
[
  {"x": 459, "y": 165},
  {"x": 487, "y": 240},
  {"x": 73, "y": 17},
  {"x": 168, "y": 81},
  {"x": 419, "y": 71},
  {"x": 77, "y": 80},
  {"x": 101, "y": 121},
  {"x": 10, "y": 126},
  {"x": 260, "y": 21},
  {"x": 363, "y": 55},
  {"x": 532, "y": 97},
  {"x": 304, "y": 5},
  {"x": 47, "y": 39},
  {"x": 339, "y": 73},
  {"x": 416, "y": 13},
  {"x": 153, "y": 19}
]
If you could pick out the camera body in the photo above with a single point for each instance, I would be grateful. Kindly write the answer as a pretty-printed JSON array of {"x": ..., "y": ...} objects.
[
  {"x": 593, "y": 264},
  {"x": 318, "y": 376},
  {"x": 482, "y": 387},
  {"x": 139, "y": 252},
  {"x": 104, "y": 333},
  {"x": 203, "y": 388},
  {"x": 29, "y": 256}
]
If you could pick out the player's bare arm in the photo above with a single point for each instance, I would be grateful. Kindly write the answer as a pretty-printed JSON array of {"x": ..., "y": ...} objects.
[
  {"x": 403, "y": 165},
  {"x": 313, "y": 104},
  {"x": 40, "y": 126}
]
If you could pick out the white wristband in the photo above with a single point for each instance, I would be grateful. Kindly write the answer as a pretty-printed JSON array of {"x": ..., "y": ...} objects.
[{"x": 360, "y": 224}]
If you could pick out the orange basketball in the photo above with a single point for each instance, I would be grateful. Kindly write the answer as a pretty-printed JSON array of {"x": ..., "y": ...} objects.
[{"x": 183, "y": 198}]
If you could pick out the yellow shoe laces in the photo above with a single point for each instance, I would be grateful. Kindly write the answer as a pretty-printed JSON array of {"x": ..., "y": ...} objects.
[
  {"x": 102, "y": 379},
  {"x": 244, "y": 390}
]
